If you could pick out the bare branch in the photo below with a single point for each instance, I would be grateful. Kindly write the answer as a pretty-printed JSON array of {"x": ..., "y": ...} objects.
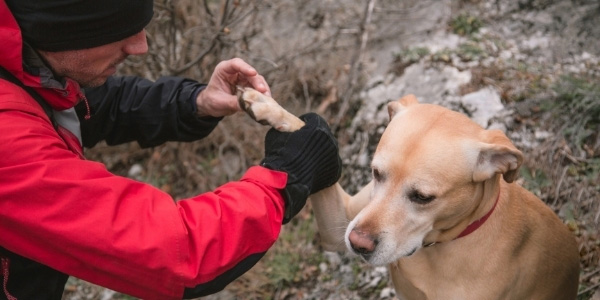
[{"x": 356, "y": 64}]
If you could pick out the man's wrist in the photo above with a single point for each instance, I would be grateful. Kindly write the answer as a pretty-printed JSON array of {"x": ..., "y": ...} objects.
[{"x": 195, "y": 97}]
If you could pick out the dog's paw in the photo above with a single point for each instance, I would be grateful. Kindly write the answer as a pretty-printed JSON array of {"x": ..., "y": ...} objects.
[
  {"x": 267, "y": 111},
  {"x": 250, "y": 101}
]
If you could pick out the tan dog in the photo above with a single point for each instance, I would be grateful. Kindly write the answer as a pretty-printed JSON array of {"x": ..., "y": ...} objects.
[{"x": 443, "y": 214}]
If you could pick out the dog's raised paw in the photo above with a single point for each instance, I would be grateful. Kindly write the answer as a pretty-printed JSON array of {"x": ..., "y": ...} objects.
[{"x": 266, "y": 110}]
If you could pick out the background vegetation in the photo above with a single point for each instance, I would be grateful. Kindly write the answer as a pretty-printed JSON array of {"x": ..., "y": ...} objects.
[{"x": 318, "y": 56}]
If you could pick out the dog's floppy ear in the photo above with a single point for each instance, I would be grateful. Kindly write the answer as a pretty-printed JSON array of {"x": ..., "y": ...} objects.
[
  {"x": 396, "y": 106},
  {"x": 497, "y": 156}
]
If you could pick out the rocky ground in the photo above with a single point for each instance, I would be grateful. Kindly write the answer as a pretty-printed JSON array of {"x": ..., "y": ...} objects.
[{"x": 528, "y": 67}]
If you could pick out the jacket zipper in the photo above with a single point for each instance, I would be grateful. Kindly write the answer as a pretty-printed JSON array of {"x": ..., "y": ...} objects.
[
  {"x": 88, "y": 114},
  {"x": 5, "y": 272}
]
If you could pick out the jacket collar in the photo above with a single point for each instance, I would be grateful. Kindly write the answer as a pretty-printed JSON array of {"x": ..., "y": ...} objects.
[{"x": 23, "y": 62}]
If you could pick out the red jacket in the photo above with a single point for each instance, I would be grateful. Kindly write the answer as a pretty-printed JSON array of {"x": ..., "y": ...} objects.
[{"x": 76, "y": 217}]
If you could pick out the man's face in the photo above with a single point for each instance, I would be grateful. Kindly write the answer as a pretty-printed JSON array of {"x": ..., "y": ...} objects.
[{"x": 91, "y": 67}]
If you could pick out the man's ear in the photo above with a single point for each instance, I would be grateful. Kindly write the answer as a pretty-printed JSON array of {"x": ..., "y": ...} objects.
[
  {"x": 396, "y": 106},
  {"x": 497, "y": 156}
]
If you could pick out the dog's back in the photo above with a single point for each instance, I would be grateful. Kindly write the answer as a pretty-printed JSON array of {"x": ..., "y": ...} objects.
[{"x": 545, "y": 249}]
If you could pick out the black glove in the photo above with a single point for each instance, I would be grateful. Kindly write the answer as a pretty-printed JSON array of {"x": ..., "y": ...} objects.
[{"x": 310, "y": 158}]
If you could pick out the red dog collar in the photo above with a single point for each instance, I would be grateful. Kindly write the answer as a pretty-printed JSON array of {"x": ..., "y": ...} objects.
[{"x": 473, "y": 226}]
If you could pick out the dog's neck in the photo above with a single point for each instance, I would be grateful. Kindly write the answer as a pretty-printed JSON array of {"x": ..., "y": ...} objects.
[
  {"x": 492, "y": 187},
  {"x": 473, "y": 226}
]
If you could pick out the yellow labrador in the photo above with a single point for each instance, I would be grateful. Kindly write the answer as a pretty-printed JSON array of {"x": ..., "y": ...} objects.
[{"x": 442, "y": 211}]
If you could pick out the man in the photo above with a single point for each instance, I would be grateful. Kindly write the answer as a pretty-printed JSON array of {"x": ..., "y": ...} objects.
[{"x": 62, "y": 215}]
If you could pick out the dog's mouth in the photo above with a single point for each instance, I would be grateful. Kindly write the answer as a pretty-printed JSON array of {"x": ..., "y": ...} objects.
[
  {"x": 365, "y": 256},
  {"x": 369, "y": 257},
  {"x": 363, "y": 253}
]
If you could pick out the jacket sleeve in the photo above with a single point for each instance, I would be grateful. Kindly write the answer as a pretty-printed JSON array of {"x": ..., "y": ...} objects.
[
  {"x": 76, "y": 217},
  {"x": 130, "y": 108}
]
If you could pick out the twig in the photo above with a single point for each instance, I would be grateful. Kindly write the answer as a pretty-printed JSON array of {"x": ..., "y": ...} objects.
[
  {"x": 589, "y": 289},
  {"x": 224, "y": 15},
  {"x": 311, "y": 48},
  {"x": 207, "y": 9},
  {"x": 589, "y": 275},
  {"x": 597, "y": 215},
  {"x": 307, "y": 99},
  {"x": 213, "y": 41},
  {"x": 557, "y": 190},
  {"x": 356, "y": 64},
  {"x": 329, "y": 99}
]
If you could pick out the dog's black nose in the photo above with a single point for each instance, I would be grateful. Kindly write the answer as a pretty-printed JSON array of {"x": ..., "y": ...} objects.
[{"x": 362, "y": 243}]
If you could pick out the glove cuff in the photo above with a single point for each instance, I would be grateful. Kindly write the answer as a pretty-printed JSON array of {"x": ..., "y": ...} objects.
[{"x": 295, "y": 196}]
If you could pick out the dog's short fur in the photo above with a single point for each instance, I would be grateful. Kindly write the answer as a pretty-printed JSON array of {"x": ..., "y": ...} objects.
[{"x": 435, "y": 172}]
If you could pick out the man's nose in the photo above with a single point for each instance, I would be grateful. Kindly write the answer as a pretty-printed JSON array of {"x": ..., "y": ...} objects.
[{"x": 136, "y": 44}]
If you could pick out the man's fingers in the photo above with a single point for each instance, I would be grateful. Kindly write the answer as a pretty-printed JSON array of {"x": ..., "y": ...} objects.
[
  {"x": 260, "y": 84},
  {"x": 245, "y": 75},
  {"x": 238, "y": 65}
]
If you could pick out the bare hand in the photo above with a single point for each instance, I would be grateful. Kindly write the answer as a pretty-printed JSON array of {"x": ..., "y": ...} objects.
[{"x": 219, "y": 98}]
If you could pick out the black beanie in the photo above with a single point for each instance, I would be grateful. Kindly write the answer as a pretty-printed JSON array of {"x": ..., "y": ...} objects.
[{"x": 59, "y": 25}]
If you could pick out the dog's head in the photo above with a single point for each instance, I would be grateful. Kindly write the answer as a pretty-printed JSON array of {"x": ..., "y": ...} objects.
[{"x": 432, "y": 173}]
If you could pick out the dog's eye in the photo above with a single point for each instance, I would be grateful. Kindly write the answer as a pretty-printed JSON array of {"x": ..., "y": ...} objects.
[
  {"x": 377, "y": 175},
  {"x": 419, "y": 198}
]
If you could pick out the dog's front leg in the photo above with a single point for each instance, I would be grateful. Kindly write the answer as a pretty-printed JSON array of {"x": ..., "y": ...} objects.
[
  {"x": 334, "y": 209},
  {"x": 329, "y": 204},
  {"x": 329, "y": 207}
]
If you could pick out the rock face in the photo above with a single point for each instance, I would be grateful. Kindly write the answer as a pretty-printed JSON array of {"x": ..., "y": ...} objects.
[{"x": 483, "y": 106}]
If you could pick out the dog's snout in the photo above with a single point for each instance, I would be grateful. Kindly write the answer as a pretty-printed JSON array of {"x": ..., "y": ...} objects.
[{"x": 362, "y": 243}]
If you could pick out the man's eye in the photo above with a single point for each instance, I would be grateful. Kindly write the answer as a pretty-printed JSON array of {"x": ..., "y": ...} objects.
[{"x": 420, "y": 198}]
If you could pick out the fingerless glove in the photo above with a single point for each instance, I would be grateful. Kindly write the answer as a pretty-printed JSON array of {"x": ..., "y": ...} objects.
[{"x": 309, "y": 156}]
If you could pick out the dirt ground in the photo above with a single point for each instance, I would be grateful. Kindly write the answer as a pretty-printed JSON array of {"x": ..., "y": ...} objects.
[{"x": 532, "y": 66}]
